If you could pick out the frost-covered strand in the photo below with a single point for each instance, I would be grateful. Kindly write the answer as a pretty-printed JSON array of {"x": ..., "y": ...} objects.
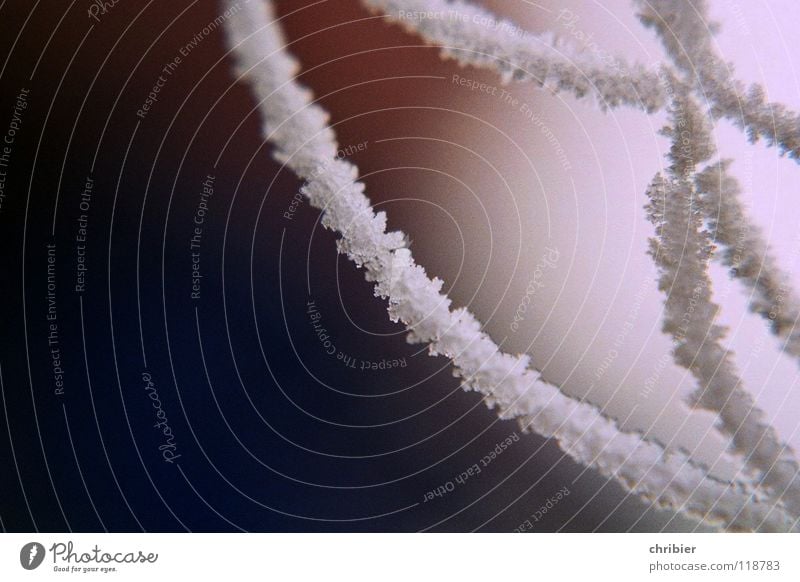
[
  {"x": 747, "y": 255},
  {"x": 682, "y": 253},
  {"x": 476, "y": 37},
  {"x": 685, "y": 31},
  {"x": 306, "y": 144},
  {"x": 682, "y": 250}
]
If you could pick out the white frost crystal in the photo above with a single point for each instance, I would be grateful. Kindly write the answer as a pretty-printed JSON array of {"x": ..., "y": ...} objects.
[{"x": 305, "y": 143}]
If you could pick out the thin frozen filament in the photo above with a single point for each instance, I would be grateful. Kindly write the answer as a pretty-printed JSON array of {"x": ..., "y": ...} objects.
[{"x": 474, "y": 36}]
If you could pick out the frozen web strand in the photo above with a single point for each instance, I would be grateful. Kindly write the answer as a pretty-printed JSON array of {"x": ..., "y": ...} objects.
[
  {"x": 306, "y": 144},
  {"x": 473, "y": 36},
  {"x": 682, "y": 250},
  {"x": 687, "y": 35},
  {"x": 747, "y": 255}
]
